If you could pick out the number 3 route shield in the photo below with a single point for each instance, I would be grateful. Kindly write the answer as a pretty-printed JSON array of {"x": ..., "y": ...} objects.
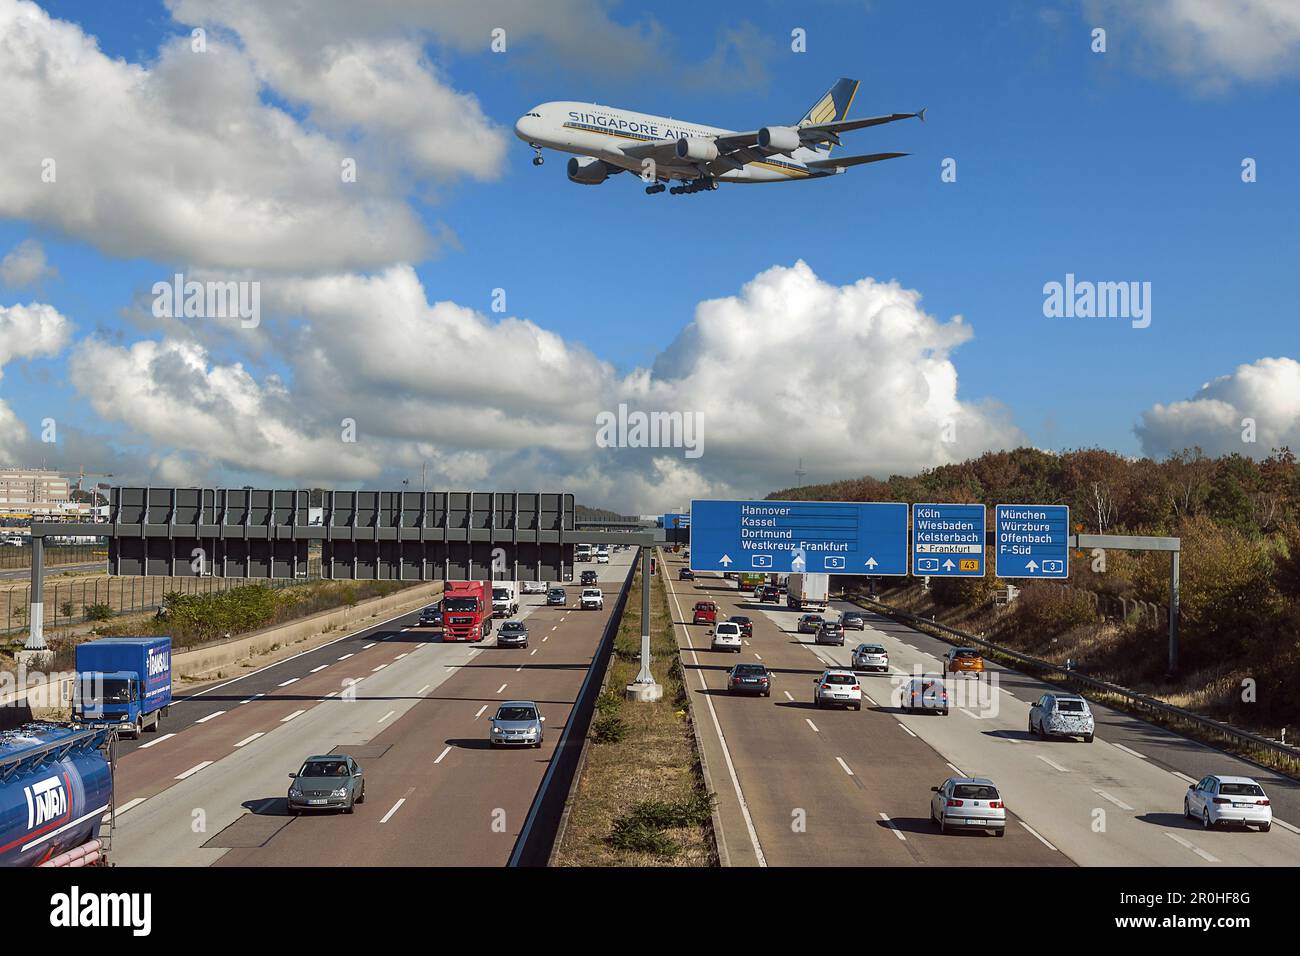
[{"x": 948, "y": 540}]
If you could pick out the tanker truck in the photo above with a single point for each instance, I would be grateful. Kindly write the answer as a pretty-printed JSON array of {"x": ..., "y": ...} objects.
[{"x": 56, "y": 785}]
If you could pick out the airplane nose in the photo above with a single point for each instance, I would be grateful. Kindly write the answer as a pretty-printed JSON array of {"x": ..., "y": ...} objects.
[{"x": 523, "y": 126}]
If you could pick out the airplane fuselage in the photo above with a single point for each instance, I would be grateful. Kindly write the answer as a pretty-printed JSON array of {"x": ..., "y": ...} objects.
[{"x": 604, "y": 132}]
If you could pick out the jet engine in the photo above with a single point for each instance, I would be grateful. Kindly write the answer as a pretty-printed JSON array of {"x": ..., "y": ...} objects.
[
  {"x": 588, "y": 171},
  {"x": 783, "y": 139},
  {"x": 699, "y": 150}
]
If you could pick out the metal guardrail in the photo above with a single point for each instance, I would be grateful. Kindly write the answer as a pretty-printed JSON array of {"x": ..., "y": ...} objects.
[{"x": 1142, "y": 701}]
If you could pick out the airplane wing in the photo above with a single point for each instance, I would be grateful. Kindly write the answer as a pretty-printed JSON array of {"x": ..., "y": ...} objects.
[
  {"x": 814, "y": 132},
  {"x": 660, "y": 150},
  {"x": 852, "y": 160}
]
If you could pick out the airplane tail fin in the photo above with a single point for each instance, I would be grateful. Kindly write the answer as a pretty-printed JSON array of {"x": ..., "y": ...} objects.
[{"x": 833, "y": 105}]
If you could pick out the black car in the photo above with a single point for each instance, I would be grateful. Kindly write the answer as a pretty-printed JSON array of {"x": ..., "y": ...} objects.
[
  {"x": 513, "y": 634},
  {"x": 746, "y": 625},
  {"x": 769, "y": 596},
  {"x": 750, "y": 679},
  {"x": 588, "y": 577},
  {"x": 431, "y": 616},
  {"x": 685, "y": 574},
  {"x": 853, "y": 621}
]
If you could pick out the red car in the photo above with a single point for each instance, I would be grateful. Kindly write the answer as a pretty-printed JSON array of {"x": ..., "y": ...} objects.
[{"x": 706, "y": 612}]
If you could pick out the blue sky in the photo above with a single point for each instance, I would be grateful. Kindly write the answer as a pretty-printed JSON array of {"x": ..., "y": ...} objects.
[{"x": 1116, "y": 166}]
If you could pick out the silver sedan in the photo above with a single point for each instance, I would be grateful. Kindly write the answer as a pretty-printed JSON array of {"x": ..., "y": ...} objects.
[{"x": 968, "y": 803}]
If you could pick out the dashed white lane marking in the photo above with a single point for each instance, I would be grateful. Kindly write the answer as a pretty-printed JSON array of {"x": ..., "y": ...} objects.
[
  {"x": 1038, "y": 835},
  {"x": 501, "y": 688},
  {"x": 890, "y": 823},
  {"x": 438, "y": 759},
  {"x": 296, "y": 713},
  {"x": 125, "y": 807},
  {"x": 546, "y": 638},
  {"x": 315, "y": 669},
  {"x": 345, "y": 656},
  {"x": 400, "y": 656},
  {"x": 1207, "y": 857},
  {"x": 1115, "y": 800},
  {"x": 788, "y": 695},
  {"x": 956, "y": 769},
  {"x": 331, "y": 693},
  {"x": 846, "y": 767},
  {"x": 204, "y": 720},
  {"x": 156, "y": 740},
  {"x": 368, "y": 646},
  {"x": 1051, "y": 763},
  {"x": 1128, "y": 751},
  {"x": 193, "y": 770},
  {"x": 519, "y": 668},
  {"x": 480, "y": 712},
  {"x": 1183, "y": 776},
  {"x": 421, "y": 690},
  {"x": 812, "y": 725},
  {"x": 249, "y": 739},
  {"x": 532, "y": 652},
  {"x": 556, "y": 628},
  {"x": 396, "y": 806},
  {"x": 379, "y": 668},
  {"x": 251, "y": 699},
  {"x": 385, "y": 717},
  {"x": 758, "y": 657},
  {"x": 291, "y": 680},
  {"x": 909, "y": 733}
]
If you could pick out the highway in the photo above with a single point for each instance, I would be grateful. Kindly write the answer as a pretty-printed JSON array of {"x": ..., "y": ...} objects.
[
  {"x": 210, "y": 789},
  {"x": 860, "y": 782}
]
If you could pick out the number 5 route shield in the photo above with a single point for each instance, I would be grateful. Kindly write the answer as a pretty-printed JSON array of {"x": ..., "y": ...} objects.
[{"x": 813, "y": 537}]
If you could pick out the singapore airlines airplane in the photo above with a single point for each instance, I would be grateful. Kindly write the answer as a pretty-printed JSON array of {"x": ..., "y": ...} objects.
[{"x": 660, "y": 149}]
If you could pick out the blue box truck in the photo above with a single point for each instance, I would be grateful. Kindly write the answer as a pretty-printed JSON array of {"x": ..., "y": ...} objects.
[{"x": 123, "y": 682}]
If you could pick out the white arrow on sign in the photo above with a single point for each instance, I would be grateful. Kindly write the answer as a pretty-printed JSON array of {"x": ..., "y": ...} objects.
[
  {"x": 1032, "y": 565},
  {"x": 725, "y": 560},
  {"x": 871, "y": 562},
  {"x": 948, "y": 565}
]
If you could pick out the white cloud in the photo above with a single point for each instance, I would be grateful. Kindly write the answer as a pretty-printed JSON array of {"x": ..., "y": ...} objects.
[
  {"x": 182, "y": 160},
  {"x": 26, "y": 331},
  {"x": 855, "y": 379},
  {"x": 1266, "y": 391},
  {"x": 25, "y": 265},
  {"x": 1211, "y": 43}
]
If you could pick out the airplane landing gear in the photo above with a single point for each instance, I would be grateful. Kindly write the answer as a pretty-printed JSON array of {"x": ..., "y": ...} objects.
[
  {"x": 695, "y": 185},
  {"x": 656, "y": 188},
  {"x": 538, "y": 159}
]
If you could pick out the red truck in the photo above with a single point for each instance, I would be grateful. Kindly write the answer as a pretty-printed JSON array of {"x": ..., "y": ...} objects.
[{"x": 466, "y": 611}]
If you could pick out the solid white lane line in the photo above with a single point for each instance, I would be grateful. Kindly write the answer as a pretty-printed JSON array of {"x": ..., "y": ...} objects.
[
  {"x": 1183, "y": 776},
  {"x": 204, "y": 720},
  {"x": 193, "y": 770},
  {"x": 1037, "y": 834},
  {"x": 1115, "y": 800},
  {"x": 296, "y": 713},
  {"x": 909, "y": 733},
  {"x": 291, "y": 680},
  {"x": 890, "y": 823},
  {"x": 345, "y": 657},
  {"x": 501, "y": 688},
  {"x": 846, "y": 767},
  {"x": 396, "y": 806},
  {"x": 1207, "y": 857},
  {"x": 156, "y": 740},
  {"x": 969, "y": 714},
  {"x": 315, "y": 669},
  {"x": 1051, "y": 763},
  {"x": 438, "y": 759},
  {"x": 1286, "y": 826},
  {"x": 421, "y": 690},
  {"x": 480, "y": 712},
  {"x": 869, "y": 699},
  {"x": 956, "y": 769},
  {"x": 812, "y": 725},
  {"x": 385, "y": 717},
  {"x": 367, "y": 647},
  {"x": 1128, "y": 751},
  {"x": 251, "y": 738}
]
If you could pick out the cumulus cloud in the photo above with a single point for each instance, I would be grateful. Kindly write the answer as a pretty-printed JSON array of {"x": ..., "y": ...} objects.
[
  {"x": 25, "y": 265},
  {"x": 26, "y": 331},
  {"x": 182, "y": 160},
  {"x": 1267, "y": 392},
  {"x": 507, "y": 403},
  {"x": 1211, "y": 43}
]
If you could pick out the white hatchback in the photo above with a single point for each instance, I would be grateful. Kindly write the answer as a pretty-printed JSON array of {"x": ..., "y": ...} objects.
[
  {"x": 727, "y": 637},
  {"x": 837, "y": 688},
  {"x": 1216, "y": 799}
]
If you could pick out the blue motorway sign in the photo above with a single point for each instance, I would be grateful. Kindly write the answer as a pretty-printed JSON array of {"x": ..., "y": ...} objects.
[
  {"x": 676, "y": 520},
  {"x": 948, "y": 541},
  {"x": 814, "y": 537},
  {"x": 1032, "y": 541}
]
